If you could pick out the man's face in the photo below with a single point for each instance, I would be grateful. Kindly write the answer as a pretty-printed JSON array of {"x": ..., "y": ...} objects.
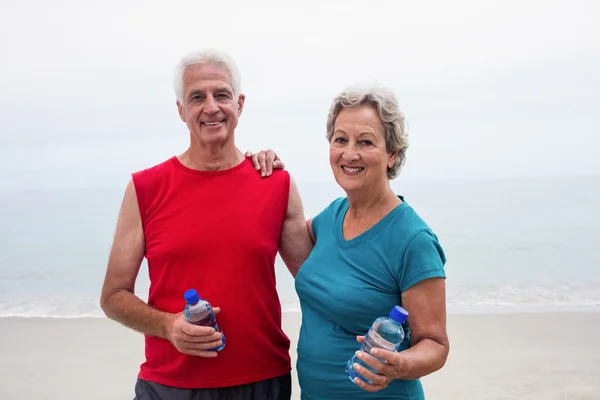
[{"x": 209, "y": 107}]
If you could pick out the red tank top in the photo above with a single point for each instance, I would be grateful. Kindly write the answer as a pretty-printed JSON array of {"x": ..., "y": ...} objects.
[{"x": 217, "y": 232}]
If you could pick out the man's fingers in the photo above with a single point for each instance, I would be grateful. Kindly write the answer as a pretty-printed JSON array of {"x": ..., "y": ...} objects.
[
  {"x": 202, "y": 346},
  {"x": 202, "y": 353},
  {"x": 216, "y": 310},
  {"x": 185, "y": 339},
  {"x": 196, "y": 330}
]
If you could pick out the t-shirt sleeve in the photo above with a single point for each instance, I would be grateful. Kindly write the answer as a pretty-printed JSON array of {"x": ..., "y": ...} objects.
[
  {"x": 423, "y": 258},
  {"x": 317, "y": 220},
  {"x": 315, "y": 223}
]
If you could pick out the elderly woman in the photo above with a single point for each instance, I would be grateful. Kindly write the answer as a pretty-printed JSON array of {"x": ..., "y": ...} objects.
[{"x": 372, "y": 251}]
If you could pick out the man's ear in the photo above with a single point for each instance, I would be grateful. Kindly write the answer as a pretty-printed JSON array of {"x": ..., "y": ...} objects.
[
  {"x": 241, "y": 100},
  {"x": 180, "y": 111}
]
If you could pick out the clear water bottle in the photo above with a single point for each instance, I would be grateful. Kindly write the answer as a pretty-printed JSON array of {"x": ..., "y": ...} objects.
[
  {"x": 385, "y": 333},
  {"x": 198, "y": 311}
]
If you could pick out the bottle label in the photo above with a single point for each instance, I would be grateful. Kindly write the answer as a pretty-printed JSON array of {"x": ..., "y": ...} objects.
[{"x": 200, "y": 314}]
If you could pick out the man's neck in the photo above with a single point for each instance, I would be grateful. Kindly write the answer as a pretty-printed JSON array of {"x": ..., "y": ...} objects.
[{"x": 216, "y": 157}]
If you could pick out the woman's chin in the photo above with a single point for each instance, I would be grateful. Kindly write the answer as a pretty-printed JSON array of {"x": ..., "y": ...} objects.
[{"x": 348, "y": 186}]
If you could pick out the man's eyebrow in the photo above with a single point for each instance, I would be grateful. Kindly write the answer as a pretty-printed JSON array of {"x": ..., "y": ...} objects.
[
  {"x": 195, "y": 92},
  {"x": 223, "y": 90}
]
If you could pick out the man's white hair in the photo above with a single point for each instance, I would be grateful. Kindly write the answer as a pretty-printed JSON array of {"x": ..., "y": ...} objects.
[{"x": 210, "y": 57}]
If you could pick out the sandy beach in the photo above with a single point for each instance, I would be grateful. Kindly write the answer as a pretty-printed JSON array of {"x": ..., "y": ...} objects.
[{"x": 533, "y": 356}]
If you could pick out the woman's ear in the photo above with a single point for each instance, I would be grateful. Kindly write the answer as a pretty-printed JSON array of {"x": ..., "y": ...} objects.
[{"x": 392, "y": 159}]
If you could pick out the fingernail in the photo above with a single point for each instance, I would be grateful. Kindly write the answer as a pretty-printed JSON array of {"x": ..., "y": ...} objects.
[
  {"x": 262, "y": 174},
  {"x": 358, "y": 354},
  {"x": 356, "y": 380},
  {"x": 374, "y": 352}
]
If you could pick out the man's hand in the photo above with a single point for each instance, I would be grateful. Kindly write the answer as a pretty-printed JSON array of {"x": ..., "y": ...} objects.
[
  {"x": 193, "y": 339},
  {"x": 265, "y": 161}
]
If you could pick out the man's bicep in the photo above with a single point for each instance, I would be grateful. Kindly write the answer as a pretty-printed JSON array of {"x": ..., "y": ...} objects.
[{"x": 128, "y": 247}]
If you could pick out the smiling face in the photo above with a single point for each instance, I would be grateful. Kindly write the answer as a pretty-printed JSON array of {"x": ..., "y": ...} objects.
[
  {"x": 357, "y": 152},
  {"x": 209, "y": 107}
]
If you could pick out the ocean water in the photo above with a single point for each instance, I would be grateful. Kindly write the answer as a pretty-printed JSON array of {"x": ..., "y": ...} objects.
[{"x": 512, "y": 244}]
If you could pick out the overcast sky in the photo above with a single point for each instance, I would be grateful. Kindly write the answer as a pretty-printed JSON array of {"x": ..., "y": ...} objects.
[{"x": 489, "y": 89}]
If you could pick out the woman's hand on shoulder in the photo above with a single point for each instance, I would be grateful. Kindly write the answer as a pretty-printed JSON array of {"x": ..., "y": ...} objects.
[{"x": 265, "y": 161}]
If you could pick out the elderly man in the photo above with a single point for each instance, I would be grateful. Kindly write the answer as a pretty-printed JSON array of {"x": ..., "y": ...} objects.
[{"x": 205, "y": 219}]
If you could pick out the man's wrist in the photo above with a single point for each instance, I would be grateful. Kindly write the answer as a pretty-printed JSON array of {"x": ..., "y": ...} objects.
[{"x": 166, "y": 325}]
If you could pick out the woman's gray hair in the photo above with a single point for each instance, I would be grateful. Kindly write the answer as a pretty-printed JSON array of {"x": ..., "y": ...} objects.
[
  {"x": 392, "y": 119},
  {"x": 210, "y": 57}
]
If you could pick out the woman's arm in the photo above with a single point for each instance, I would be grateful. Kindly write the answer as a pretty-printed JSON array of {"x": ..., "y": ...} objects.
[{"x": 426, "y": 305}]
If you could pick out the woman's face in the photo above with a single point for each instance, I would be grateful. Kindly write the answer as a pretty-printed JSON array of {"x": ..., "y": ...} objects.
[{"x": 357, "y": 152}]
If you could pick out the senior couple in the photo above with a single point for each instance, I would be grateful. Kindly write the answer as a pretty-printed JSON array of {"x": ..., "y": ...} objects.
[{"x": 214, "y": 219}]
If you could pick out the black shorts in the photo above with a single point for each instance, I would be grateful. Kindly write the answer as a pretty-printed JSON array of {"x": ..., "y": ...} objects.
[{"x": 279, "y": 388}]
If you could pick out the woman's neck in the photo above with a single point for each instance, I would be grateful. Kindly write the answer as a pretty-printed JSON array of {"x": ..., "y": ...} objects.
[{"x": 368, "y": 202}]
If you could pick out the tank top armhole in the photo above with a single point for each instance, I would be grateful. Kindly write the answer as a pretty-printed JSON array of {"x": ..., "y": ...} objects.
[
  {"x": 287, "y": 184},
  {"x": 140, "y": 195}
]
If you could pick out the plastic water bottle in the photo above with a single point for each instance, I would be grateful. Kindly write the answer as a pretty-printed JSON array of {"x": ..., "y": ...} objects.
[
  {"x": 386, "y": 333},
  {"x": 198, "y": 311}
]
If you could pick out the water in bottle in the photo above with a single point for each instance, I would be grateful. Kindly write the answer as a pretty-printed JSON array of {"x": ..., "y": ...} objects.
[
  {"x": 198, "y": 311},
  {"x": 386, "y": 333}
]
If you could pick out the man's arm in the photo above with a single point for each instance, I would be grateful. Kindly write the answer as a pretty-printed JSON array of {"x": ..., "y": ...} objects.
[
  {"x": 295, "y": 244},
  {"x": 118, "y": 299},
  {"x": 119, "y": 302}
]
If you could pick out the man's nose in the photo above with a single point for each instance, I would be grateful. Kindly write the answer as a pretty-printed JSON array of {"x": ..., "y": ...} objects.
[{"x": 210, "y": 105}]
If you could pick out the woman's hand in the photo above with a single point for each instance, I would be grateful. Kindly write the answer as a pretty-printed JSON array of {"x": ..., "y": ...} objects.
[
  {"x": 265, "y": 161},
  {"x": 387, "y": 370},
  {"x": 429, "y": 345}
]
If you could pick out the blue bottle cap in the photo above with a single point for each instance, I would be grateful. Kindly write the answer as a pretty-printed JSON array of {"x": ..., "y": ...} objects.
[
  {"x": 399, "y": 314},
  {"x": 191, "y": 296}
]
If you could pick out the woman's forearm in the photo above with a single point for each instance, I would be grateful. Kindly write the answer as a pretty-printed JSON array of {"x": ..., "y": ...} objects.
[{"x": 424, "y": 358}]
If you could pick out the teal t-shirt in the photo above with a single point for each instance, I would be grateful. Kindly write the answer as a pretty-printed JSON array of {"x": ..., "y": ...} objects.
[{"x": 344, "y": 285}]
